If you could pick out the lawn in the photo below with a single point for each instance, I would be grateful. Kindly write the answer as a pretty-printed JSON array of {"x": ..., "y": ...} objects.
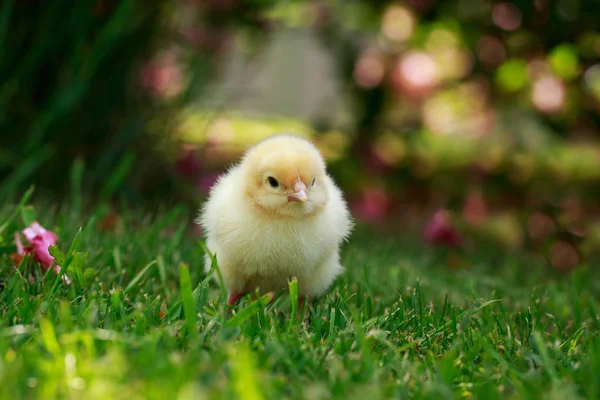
[{"x": 141, "y": 320}]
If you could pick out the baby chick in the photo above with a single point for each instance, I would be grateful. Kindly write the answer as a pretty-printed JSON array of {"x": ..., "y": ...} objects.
[{"x": 274, "y": 216}]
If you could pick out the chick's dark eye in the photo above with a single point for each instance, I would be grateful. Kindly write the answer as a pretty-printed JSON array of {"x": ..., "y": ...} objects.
[
  {"x": 313, "y": 182},
  {"x": 273, "y": 182}
]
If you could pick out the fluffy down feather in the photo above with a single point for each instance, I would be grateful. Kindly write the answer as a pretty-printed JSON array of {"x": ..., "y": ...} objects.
[{"x": 277, "y": 215}]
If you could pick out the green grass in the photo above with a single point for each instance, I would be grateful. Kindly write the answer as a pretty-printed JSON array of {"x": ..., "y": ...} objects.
[{"x": 398, "y": 324}]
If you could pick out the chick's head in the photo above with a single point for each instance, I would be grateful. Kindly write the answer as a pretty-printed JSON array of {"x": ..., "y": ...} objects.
[{"x": 285, "y": 176}]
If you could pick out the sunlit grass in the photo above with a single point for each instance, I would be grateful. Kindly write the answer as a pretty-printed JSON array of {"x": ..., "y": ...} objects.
[{"x": 141, "y": 320}]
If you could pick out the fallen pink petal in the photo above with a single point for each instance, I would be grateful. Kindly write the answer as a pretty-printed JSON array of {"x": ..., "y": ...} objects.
[
  {"x": 36, "y": 230},
  {"x": 40, "y": 240}
]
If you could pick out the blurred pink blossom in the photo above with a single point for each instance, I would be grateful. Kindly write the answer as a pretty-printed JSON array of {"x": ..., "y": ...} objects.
[
  {"x": 372, "y": 205},
  {"x": 206, "y": 182},
  {"x": 163, "y": 76},
  {"x": 474, "y": 209},
  {"x": 439, "y": 230}
]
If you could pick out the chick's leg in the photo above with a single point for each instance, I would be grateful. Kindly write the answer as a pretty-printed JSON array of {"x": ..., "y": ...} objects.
[
  {"x": 233, "y": 298},
  {"x": 234, "y": 282}
]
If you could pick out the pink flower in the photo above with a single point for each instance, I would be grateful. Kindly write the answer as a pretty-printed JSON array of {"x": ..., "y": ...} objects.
[
  {"x": 439, "y": 230},
  {"x": 40, "y": 240}
]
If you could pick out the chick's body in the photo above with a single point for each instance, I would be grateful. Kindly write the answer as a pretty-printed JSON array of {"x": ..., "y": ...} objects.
[{"x": 274, "y": 216}]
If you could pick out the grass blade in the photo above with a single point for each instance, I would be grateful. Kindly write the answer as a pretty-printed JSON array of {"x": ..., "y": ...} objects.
[
  {"x": 244, "y": 375},
  {"x": 17, "y": 210},
  {"x": 189, "y": 308},
  {"x": 139, "y": 276}
]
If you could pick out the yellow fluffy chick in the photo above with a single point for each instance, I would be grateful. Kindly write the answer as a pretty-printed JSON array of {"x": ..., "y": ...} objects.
[{"x": 274, "y": 216}]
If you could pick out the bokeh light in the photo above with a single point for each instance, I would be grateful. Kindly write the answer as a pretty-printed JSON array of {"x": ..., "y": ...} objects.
[
  {"x": 398, "y": 23},
  {"x": 163, "y": 76},
  {"x": 441, "y": 38},
  {"x": 491, "y": 51},
  {"x": 507, "y": 16},
  {"x": 592, "y": 80},
  {"x": 416, "y": 73},
  {"x": 563, "y": 256},
  {"x": 564, "y": 61},
  {"x": 474, "y": 209},
  {"x": 538, "y": 68},
  {"x": 369, "y": 70},
  {"x": 462, "y": 111},
  {"x": 511, "y": 76},
  {"x": 453, "y": 63},
  {"x": 540, "y": 227},
  {"x": 219, "y": 132},
  {"x": 333, "y": 145},
  {"x": 548, "y": 94},
  {"x": 389, "y": 148}
]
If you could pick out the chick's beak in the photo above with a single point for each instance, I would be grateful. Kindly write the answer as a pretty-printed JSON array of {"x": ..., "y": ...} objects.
[{"x": 299, "y": 192}]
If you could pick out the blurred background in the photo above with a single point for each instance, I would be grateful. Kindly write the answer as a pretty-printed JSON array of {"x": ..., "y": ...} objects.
[{"x": 463, "y": 121}]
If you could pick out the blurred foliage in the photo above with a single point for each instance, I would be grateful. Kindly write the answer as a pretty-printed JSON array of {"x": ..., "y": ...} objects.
[
  {"x": 482, "y": 107},
  {"x": 99, "y": 81},
  {"x": 65, "y": 90},
  {"x": 453, "y": 103}
]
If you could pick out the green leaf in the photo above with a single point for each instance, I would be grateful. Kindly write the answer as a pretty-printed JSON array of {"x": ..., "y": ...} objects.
[
  {"x": 59, "y": 256},
  {"x": 89, "y": 274},
  {"x": 75, "y": 243},
  {"x": 76, "y": 265}
]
